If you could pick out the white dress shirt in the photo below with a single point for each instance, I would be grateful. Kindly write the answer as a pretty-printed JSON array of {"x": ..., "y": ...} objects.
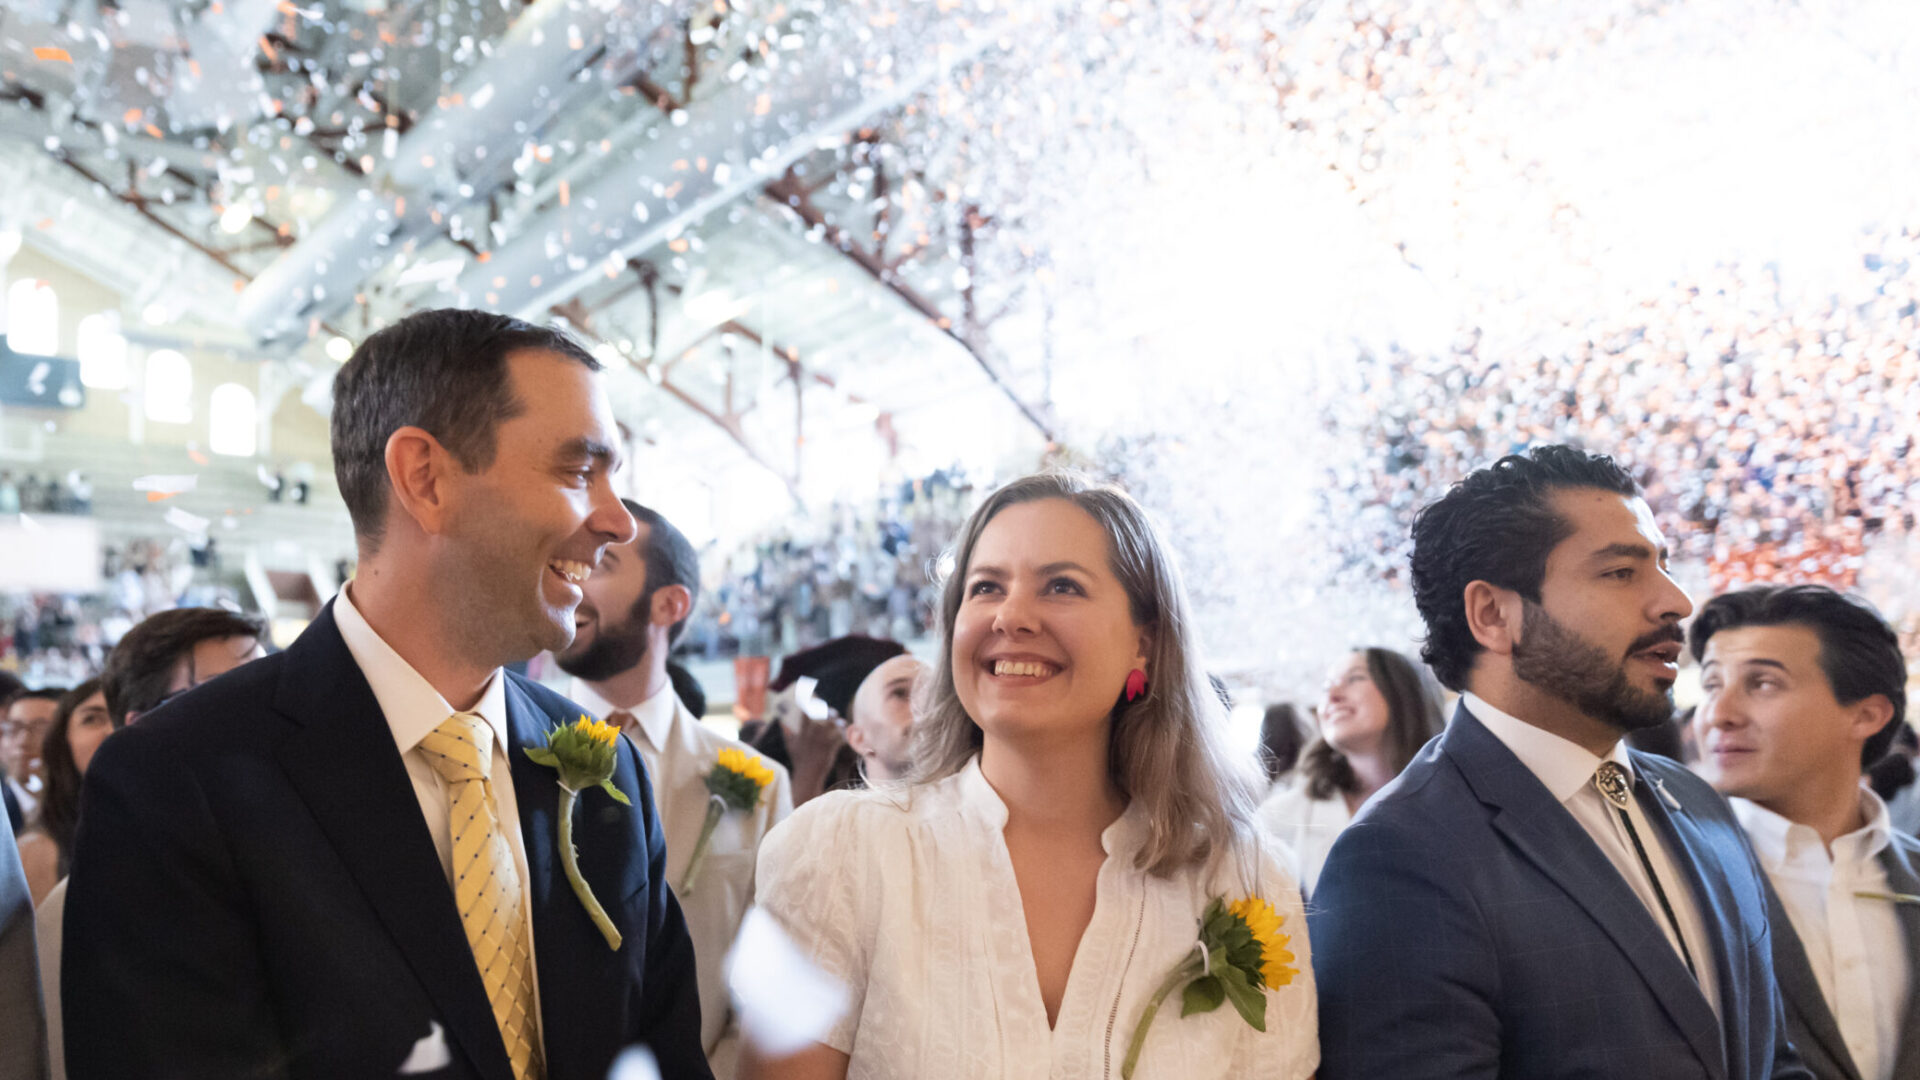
[
  {"x": 1854, "y": 944},
  {"x": 1567, "y": 770},
  {"x": 679, "y": 751},
  {"x": 27, "y": 800},
  {"x": 1308, "y": 826},
  {"x": 413, "y": 708},
  {"x": 908, "y": 897}
]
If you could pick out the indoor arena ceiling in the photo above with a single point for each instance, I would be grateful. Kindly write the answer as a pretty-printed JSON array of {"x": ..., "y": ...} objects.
[{"x": 716, "y": 194}]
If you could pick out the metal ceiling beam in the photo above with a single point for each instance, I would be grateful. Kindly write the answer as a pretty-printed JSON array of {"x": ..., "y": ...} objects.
[
  {"x": 530, "y": 78},
  {"x": 792, "y": 196},
  {"x": 731, "y": 145}
]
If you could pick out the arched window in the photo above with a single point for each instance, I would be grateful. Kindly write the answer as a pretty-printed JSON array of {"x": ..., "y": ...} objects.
[
  {"x": 169, "y": 387},
  {"x": 103, "y": 353},
  {"x": 33, "y": 318},
  {"x": 233, "y": 424}
]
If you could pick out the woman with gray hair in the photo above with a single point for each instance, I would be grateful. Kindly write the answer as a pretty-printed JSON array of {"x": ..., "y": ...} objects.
[{"x": 1072, "y": 842}]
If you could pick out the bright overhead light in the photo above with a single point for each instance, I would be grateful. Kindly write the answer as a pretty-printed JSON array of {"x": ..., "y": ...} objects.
[
  {"x": 235, "y": 217},
  {"x": 339, "y": 349},
  {"x": 156, "y": 314},
  {"x": 713, "y": 307},
  {"x": 9, "y": 243}
]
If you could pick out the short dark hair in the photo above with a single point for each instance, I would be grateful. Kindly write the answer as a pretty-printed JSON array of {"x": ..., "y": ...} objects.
[
  {"x": 1498, "y": 525},
  {"x": 1282, "y": 736},
  {"x": 1859, "y": 653},
  {"x": 1413, "y": 718},
  {"x": 670, "y": 560},
  {"x": 44, "y": 693},
  {"x": 139, "y": 670},
  {"x": 444, "y": 371}
]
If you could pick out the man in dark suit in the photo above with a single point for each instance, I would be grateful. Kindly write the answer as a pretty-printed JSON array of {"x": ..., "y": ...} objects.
[
  {"x": 339, "y": 861},
  {"x": 1805, "y": 689},
  {"x": 1531, "y": 899}
]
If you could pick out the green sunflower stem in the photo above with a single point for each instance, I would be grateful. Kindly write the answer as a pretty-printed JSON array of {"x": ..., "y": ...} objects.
[
  {"x": 1180, "y": 977},
  {"x": 716, "y": 809},
  {"x": 567, "y": 858}
]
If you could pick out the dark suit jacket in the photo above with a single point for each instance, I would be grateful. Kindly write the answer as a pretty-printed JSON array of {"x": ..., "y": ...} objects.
[
  {"x": 23, "y": 1025},
  {"x": 255, "y": 894},
  {"x": 16, "y": 820},
  {"x": 1816, "y": 1035},
  {"x": 1465, "y": 925}
]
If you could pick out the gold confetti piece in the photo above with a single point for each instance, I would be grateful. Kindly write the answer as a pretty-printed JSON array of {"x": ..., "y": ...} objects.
[{"x": 52, "y": 54}]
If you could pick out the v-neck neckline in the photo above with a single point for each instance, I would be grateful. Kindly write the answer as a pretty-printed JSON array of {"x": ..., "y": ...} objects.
[{"x": 1078, "y": 1013}]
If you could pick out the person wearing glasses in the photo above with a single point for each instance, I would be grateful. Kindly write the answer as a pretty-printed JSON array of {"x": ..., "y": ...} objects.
[{"x": 24, "y": 721}]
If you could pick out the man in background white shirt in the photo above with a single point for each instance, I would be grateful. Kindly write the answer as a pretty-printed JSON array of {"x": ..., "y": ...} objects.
[
  {"x": 1806, "y": 688},
  {"x": 637, "y": 605}
]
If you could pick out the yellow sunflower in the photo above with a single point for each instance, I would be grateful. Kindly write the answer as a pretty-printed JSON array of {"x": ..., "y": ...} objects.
[{"x": 1263, "y": 922}]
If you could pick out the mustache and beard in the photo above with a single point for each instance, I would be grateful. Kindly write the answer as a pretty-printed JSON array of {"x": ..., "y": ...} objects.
[
  {"x": 1555, "y": 658},
  {"x": 616, "y": 647}
]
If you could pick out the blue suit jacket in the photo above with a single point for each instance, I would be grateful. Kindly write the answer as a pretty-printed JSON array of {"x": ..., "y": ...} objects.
[
  {"x": 1467, "y": 926},
  {"x": 255, "y": 893}
]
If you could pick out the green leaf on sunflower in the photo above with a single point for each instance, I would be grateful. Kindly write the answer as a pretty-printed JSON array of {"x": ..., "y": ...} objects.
[
  {"x": 1203, "y": 994},
  {"x": 618, "y": 795},
  {"x": 1248, "y": 1000},
  {"x": 542, "y": 756}
]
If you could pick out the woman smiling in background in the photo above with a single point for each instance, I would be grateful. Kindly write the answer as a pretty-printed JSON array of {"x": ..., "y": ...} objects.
[{"x": 1377, "y": 711}]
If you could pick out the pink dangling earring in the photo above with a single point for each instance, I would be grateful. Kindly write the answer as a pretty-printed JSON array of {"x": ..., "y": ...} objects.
[{"x": 1136, "y": 683}]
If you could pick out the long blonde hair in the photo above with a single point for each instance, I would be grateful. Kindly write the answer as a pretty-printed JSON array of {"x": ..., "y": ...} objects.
[{"x": 1165, "y": 750}]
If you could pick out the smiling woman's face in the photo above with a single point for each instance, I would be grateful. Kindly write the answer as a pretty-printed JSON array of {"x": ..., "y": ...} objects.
[{"x": 1045, "y": 636}]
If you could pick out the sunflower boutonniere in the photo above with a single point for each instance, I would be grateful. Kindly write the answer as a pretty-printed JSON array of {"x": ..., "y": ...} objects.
[
  {"x": 735, "y": 783},
  {"x": 583, "y": 754},
  {"x": 1239, "y": 955}
]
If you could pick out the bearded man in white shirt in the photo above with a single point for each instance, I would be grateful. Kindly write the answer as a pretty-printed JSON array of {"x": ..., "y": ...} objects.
[
  {"x": 1805, "y": 688},
  {"x": 637, "y": 605}
]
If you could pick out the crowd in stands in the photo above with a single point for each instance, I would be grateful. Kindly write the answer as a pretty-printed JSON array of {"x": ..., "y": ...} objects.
[
  {"x": 62, "y": 639},
  {"x": 32, "y": 493},
  {"x": 853, "y": 570},
  {"x": 1774, "y": 430}
]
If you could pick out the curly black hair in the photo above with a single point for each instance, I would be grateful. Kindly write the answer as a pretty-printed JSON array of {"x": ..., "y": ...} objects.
[{"x": 1498, "y": 525}]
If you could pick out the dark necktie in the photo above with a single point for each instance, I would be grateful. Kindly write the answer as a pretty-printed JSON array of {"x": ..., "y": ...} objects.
[{"x": 1612, "y": 781}]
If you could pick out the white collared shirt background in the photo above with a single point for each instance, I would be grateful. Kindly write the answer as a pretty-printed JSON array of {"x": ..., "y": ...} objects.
[
  {"x": 1853, "y": 943},
  {"x": 679, "y": 751},
  {"x": 1567, "y": 770},
  {"x": 1306, "y": 825}
]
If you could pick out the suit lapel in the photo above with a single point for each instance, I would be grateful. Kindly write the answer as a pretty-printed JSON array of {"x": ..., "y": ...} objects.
[
  {"x": 582, "y": 989},
  {"x": 1800, "y": 991},
  {"x": 1548, "y": 836},
  {"x": 343, "y": 762},
  {"x": 1903, "y": 876}
]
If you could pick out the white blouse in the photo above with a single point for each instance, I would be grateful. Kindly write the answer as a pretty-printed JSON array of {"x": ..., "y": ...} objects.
[
  {"x": 1307, "y": 826},
  {"x": 909, "y": 898}
]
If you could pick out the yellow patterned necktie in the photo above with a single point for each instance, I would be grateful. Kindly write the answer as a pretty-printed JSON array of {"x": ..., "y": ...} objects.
[{"x": 486, "y": 886}]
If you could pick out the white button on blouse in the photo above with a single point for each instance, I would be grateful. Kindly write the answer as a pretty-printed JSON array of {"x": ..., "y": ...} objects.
[{"x": 909, "y": 897}]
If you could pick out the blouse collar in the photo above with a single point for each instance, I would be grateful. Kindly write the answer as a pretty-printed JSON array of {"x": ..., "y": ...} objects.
[{"x": 985, "y": 806}]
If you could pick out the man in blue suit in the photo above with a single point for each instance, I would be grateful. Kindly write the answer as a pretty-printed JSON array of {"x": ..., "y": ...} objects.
[
  {"x": 339, "y": 861},
  {"x": 1530, "y": 899}
]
